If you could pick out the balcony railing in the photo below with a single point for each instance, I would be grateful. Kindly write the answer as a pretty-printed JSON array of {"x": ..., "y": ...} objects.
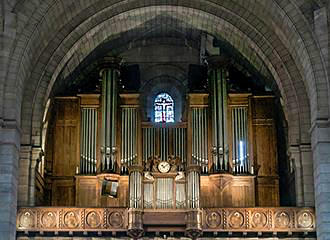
[{"x": 290, "y": 220}]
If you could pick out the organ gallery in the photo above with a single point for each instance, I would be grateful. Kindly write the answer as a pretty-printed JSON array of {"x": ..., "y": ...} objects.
[{"x": 134, "y": 157}]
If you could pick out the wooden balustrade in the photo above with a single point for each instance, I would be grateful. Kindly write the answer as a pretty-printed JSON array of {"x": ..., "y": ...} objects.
[{"x": 71, "y": 219}]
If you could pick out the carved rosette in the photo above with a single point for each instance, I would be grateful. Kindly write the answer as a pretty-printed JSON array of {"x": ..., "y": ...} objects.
[
  {"x": 282, "y": 219},
  {"x": 48, "y": 219},
  {"x": 71, "y": 219},
  {"x": 116, "y": 219},
  {"x": 305, "y": 219},
  {"x": 236, "y": 219},
  {"x": 259, "y": 219},
  {"x": 26, "y": 219},
  {"x": 93, "y": 219},
  {"x": 213, "y": 219}
]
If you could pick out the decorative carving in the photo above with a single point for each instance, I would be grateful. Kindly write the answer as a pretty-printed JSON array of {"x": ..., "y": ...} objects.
[
  {"x": 116, "y": 219},
  {"x": 27, "y": 220},
  {"x": 213, "y": 219},
  {"x": 282, "y": 220},
  {"x": 36, "y": 219},
  {"x": 236, "y": 219},
  {"x": 259, "y": 220},
  {"x": 71, "y": 219},
  {"x": 48, "y": 219},
  {"x": 93, "y": 219},
  {"x": 305, "y": 219}
]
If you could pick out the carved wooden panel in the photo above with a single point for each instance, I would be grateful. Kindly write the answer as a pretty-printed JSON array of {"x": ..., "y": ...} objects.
[
  {"x": 225, "y": 190},
  {"x": 63, "y": 191},
  {"x": 259, "y": 219},
  {"x": 71, "y": 219},
  {"x": 66, "y": 137},
  {"x": 213, "y": 219},
  {"x": 267, "y": 191},
  {"x": 265, "y": 151},
  {"x": 87, "y": 194}
]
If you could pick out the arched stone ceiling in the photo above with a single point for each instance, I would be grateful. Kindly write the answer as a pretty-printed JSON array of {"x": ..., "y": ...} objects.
[{"x": 272, "y": 33}]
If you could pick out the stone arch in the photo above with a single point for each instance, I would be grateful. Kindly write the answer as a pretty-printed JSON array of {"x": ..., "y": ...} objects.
[
  {"x": 252, "y": 56},
  {"x": 274, "y": 36}
]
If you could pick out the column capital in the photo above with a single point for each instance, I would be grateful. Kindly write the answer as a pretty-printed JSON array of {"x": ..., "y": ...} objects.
[
  {"x": 135, "y": 168},
  {"x": 108, "y": 62},
  {"x": 217, "y": 61}
]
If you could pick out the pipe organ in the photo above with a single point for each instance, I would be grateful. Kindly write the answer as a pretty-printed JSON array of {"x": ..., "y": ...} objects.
[{"x": 217, "y": 157}]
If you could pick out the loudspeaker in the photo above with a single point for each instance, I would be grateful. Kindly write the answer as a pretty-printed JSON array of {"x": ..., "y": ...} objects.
[
  {"x": 197, "y": 78},
  {"x": 130, "y": 77}
]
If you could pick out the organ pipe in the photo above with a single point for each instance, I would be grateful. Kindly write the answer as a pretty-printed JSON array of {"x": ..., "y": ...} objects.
[
  {"x": 129, "y": 118},
  {"x": 109, "y": 115},
  {"x": 218, "y": 76},
  {"x": 88, "y": 140},
  {"x": 135, "y": 189},
  {"x": 240, "y": 140},
  {"x": 193, "y": 188},
  {"x": 199, "y": 138}
]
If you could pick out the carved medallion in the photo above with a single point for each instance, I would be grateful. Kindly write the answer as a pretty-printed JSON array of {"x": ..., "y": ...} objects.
[
  {"x": 71, "y": 220},
  {"x": 305, "y": 219},
  {"x": 48, "y": 219},
  {"x": 282, "y": 220},
  {"x": 213, "y": 219},
  {"x": 26, "y": 220},
  {"x": 236, "y": 219},
  {"x": 93, "y": 219},
  {"x": 116, "y": 219},
  {"x": 259, "y": 220}
]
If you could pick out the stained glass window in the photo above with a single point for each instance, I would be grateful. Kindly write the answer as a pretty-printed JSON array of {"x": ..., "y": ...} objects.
[{"x": 164, "y": 108}]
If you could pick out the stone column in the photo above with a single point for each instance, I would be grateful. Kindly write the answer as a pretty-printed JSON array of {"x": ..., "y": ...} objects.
[
  {"x": 24, "y": 174},
  {"x": 9, "y": 154},
  {"x": 320, "y": 132},
  {"x": 307, "y": 174},
  {"x": 301, "y": 156},
  {"x": 35, "y": 157},
  {"x": 109, "y": 73}
]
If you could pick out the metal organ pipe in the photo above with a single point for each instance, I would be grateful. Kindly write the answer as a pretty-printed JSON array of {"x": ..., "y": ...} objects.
[
  {"x": 240, "y": 139},
  {"x": 109, "y": 115},
  {"x": 219, "y": 119},
  {"x": 88, "y": 141}
]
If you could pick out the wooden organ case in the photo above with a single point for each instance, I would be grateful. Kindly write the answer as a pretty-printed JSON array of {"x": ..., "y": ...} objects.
[{"x": 223, "y": 155}]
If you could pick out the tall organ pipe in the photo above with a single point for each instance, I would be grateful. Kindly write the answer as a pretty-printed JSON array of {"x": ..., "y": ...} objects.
[
  {"x": 218, "y": 75},
  {"x": 109, "y": 115},
  {"x": 240, "y": 140},
  {"x": 88, "y": 140},
  {"x": 129, "y": 135}
]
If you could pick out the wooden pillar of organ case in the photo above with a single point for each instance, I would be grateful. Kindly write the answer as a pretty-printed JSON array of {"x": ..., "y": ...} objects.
[{"x": 265, "y": 151}]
